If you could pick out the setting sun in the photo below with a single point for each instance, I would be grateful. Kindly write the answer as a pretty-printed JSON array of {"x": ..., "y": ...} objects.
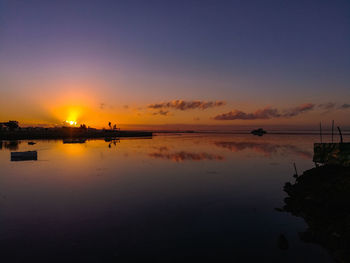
[{"x": 71, "y": 123}]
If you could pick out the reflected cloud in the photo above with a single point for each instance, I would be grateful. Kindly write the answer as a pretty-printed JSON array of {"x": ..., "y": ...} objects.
[
  {"x": 161, "y": 148},
  {"x": 267, "y": 149},
  {"x": 186, "y": 156}
]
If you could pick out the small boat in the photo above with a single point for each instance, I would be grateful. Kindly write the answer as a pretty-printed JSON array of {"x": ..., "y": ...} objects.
[
  {"x": 259, "y": 132},
  {"x": 24, "y": 156},
  {"x": 31, "y": 143}
]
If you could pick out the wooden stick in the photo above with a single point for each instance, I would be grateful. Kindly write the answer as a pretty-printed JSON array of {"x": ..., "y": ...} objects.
[
  {"x": 295, "y": 169},
  {"x": 320, "y": 132},
  {"x": 332, "y": 129},
  {"x": 341, "y": 136}
]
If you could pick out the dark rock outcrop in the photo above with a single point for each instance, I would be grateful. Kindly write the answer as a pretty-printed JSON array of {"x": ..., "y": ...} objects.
[{"x": 321, "y": 196}]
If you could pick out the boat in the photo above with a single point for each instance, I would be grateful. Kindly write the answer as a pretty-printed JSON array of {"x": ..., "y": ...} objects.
[
  {"x": 24, "y": 156},
  {"x": 258, "y": 132}
]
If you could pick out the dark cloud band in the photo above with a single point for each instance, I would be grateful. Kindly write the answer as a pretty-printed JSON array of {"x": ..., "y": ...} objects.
[
  {"x": 186, "y": 105},
  {"x": 266, "y": 113}
]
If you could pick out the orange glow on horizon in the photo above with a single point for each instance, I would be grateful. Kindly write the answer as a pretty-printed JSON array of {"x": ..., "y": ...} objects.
[{"x": 71, "y": 123}]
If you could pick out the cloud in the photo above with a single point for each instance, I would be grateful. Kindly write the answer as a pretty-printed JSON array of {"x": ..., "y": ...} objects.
[
  {"x": 298, "y": 110},
  {"x": 186, "y": 105},
  {"x": 161, "y": 112},
  {"x": 266, "y": 113},
  {"x": 102, "y": 105},
  {"x": 345, "y": 106},
  {"x": 327, "y": 106}
]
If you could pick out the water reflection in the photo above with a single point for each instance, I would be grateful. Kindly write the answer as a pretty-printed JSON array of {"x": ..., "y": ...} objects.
[
  {"x": 10, "y": 145},
  {"x": 321, "y": 196},
  {"x": 185, "y": 156},
  {"x": 168, "y": 198},
  {"x": 267, "y": 149},
  {"x": 112, "y": 142}
]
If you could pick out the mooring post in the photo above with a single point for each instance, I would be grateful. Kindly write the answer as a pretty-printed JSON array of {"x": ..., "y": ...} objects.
[
  {"x": 341, "y": 136},
  {"x": 332, "y": 129},
  {"x": 320, "y": 132}
]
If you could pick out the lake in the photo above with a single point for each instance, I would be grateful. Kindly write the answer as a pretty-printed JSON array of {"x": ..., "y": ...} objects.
[{"x": 172, "y": 198}]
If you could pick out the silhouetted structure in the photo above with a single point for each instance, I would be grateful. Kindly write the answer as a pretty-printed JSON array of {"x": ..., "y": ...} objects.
[
  {"x": 321, "y": 196},
  {"x": 13, "y": 132},
  {"x": 11, "y": 125},
  {"x": 259, "y": 132},
  {"x": 24, "y": 156}
]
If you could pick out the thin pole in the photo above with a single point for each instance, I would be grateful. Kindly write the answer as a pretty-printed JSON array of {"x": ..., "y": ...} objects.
[
  {"x": 332, "y": 129},
  {"x": 320, "y": 132},
  {"x": 341, "y": 136},
  {"x": 295, "y": 169}
]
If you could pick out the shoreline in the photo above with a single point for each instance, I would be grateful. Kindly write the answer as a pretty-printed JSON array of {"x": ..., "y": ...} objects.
[{"x": 69, "y": 133}]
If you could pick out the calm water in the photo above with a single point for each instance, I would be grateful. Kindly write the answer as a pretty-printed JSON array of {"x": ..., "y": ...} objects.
[{"x": 170, "y": 198}]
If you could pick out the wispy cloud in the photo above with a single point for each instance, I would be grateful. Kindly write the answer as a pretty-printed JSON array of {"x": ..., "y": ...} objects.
[
  {"x": 345, "y": 106},
  {"x": 102, "y": 105},
  {"x": 161, "y": 112},
  {"x": 327, "y": 106},
  {"x": 186, "y": 105},
  {"x": 298, "y": 110},
  {"x": 266, "y": 113}
]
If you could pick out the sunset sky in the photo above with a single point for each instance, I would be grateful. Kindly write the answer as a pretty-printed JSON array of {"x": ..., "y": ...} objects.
[{"x": 175, "y": 62}]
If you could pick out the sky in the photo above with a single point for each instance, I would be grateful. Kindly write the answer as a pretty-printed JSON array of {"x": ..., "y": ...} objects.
[{"x": 193, "y": 62}]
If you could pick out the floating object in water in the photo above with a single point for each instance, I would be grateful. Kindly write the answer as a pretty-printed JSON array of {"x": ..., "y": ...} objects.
[
  {"x": 259, "y": 132},
  {"x": 332, "y": 153},
  {"x": 24, "y": 156},
  {"x": 74, "y": 141},
  {"x": 31, "y": 143}
]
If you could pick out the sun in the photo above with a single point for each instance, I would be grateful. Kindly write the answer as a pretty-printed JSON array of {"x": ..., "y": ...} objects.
[
  {"x": 71, "y": 123},
  {"x": 72, "y": 117}
]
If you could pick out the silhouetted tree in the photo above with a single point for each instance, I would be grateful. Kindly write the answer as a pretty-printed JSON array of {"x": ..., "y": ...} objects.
[
  {"x": 110, "y": 125},
  {"x": 12, "y": 125},
  {"x": 114, "y": 126}
]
